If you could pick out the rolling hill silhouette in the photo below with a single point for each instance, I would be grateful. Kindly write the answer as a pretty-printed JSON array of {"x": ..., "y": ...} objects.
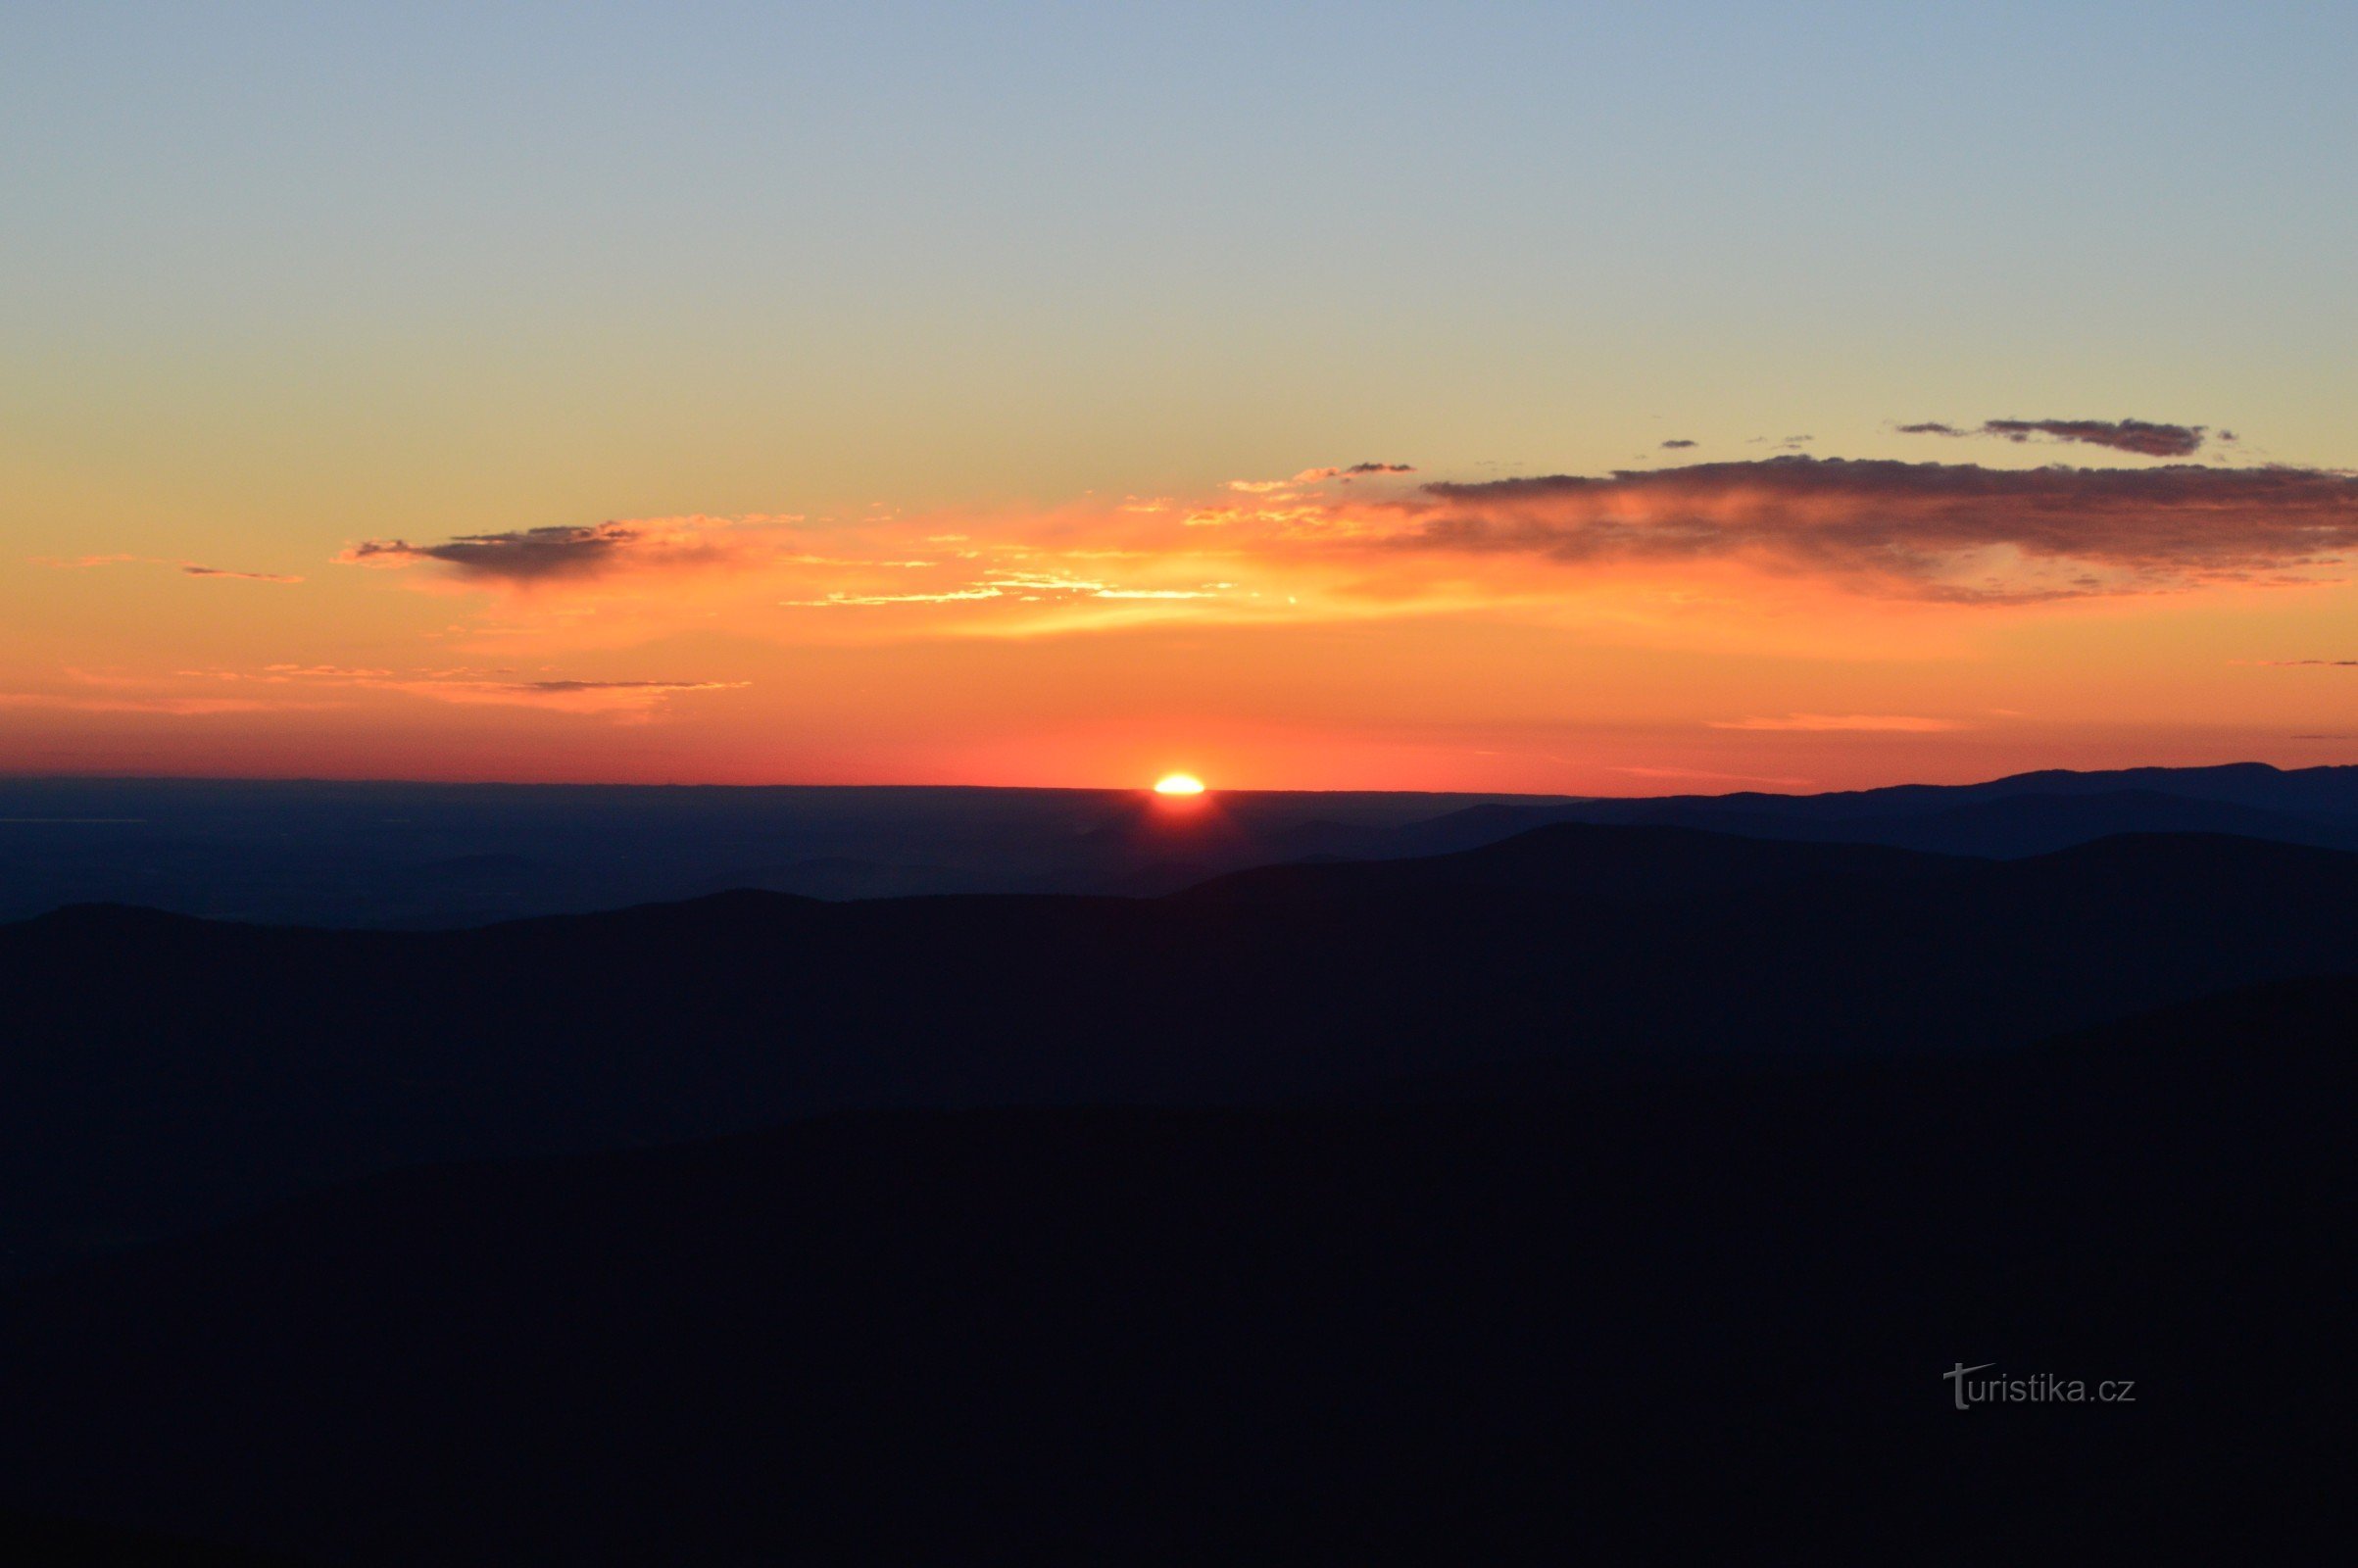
[
  {"x": 165, "y": 1073},
  {"x": 1621, "y": 1318}
]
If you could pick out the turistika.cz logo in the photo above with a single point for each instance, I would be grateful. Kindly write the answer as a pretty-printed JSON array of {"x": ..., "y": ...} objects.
[{"x": 2041, "y": 1387}]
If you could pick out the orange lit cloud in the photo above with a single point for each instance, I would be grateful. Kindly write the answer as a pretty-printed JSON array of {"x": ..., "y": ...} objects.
[
  {"x": 290, "y": 686},
  {"x": 1954, "y": 532},
  {"x": 1957, "y": 533},
  {"x": 1780, "y": 554},
  {"x": 182, "y": 706}
]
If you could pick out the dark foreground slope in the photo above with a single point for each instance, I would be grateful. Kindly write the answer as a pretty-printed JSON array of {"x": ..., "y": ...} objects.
[
  {"x": 158, "y": 1073},
  {"x": 1621, "y": 1320},
  {"x": 47, "y": 1542}
]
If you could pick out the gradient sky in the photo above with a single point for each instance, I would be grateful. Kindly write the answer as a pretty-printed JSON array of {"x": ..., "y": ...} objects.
[{"x": 943, "y": 393}]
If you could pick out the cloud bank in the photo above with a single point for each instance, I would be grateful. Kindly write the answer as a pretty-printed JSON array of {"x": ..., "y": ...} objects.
[
  {"x": 1956, "y": 532},
  {"x": 1280, "y": 551},
  {"x": 2143, "y": 437}
]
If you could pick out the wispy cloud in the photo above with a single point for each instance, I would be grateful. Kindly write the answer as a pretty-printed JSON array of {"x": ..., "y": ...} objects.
[
  {"x": 183, "y": 707},
  {"x": 1346, "y": 473},
  {"x": 195, "y": 570},
  {"x": 620, "y": 698},
  {"x": 1029, "y": 587},
  {"x": 1899, "y": 723},
  {"x": 190, "y": 568},
  {"x": 443, "y": 684},
  {"x": 1711, "y": 776}
]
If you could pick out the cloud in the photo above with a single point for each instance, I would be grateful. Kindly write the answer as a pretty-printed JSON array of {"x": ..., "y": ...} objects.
[
  {"x": 2140, "y": 436},
  {"x": 948, "y": 596},
  {"x": 195, "y": 570},
  {"x": 1665, "y": 551},
  {"x": 529, "y": 557},
  {"x": 1677, "y": 443},
  {"x": 2306, "y": 664},
  {"x": 522, "y": 555},
  {"x": 451, "y": 684},
  {"x": 1900, "y": 724},
  {"x": 182, "y": 707},
  {"x": 560, "y": 687},
  {"x": 1025, "y": 586},
  {"x": 1711, "y": 776},
  {"x": 626, "y": 699},
  {"x": 1953, "y": 532},
  {"x": 1346, "y": 475},
  {"x": 189, "y": 568}
]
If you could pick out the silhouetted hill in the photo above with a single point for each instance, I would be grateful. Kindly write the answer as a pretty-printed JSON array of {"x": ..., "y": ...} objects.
[
  {"x": 1605, "y": 1319},
  {"x": 164, "y": 1072}
]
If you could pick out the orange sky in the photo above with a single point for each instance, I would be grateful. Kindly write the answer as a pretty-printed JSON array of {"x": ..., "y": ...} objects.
[
  {"x": 1780, "y": 623},
  {"x": 974, "y": 393}
]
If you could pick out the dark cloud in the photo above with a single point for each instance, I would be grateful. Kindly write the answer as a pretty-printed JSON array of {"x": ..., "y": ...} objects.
[
  {"x": 524, "y": 555},
  {"x": 1957, "y": 532},
  {"x": 1677, "y": 443},
  {"x": 2309, "y": 663},
  {"x": 2142, "y": 436}
]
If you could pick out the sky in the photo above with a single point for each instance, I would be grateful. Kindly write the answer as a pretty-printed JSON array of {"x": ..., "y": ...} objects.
[{"x": 1560, "y": 398}]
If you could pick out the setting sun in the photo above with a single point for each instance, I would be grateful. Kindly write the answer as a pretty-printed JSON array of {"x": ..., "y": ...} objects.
[{"x": 1178, "y": 784}]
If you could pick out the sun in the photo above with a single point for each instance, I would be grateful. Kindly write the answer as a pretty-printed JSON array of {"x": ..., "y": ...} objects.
[{"x": 1178, "y": 784}]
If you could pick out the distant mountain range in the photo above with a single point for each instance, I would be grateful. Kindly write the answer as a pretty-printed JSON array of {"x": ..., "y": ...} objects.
[
  {"x": 2029, "y": 814},
  {"x": 441, "y": 856}
]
